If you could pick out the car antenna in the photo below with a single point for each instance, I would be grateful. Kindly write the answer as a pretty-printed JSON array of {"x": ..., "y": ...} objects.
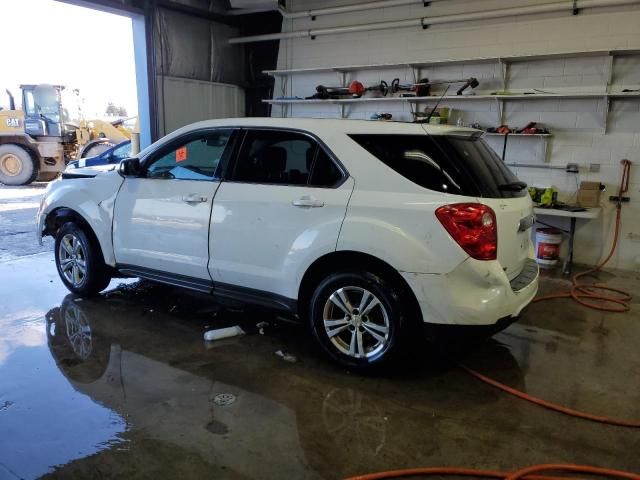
[{"x": 437, "y": 103}]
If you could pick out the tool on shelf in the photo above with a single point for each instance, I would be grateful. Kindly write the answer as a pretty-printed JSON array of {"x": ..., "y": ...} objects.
[
  {"x": 423, "y": 87},
  {"x": 530, "y": 128},
  {"x": 355, "y": 90},
  {"x": 381, "y": 116}
]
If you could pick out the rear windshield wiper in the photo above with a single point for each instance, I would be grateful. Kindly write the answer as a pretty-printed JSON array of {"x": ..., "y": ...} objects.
[{"x": 512, "y": 186}]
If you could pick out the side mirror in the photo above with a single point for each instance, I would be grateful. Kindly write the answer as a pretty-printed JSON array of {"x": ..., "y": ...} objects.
[{"x": 129, "y": 167}]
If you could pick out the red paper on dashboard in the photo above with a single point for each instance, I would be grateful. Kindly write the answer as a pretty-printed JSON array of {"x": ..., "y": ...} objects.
[{"x": 181, "y": 154}]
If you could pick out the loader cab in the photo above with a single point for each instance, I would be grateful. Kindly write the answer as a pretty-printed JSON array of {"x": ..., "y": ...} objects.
[{"x": 42, "y": 110}]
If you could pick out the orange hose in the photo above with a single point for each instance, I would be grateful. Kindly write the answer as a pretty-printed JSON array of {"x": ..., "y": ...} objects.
[
  {"x": 549, "y": 405},
  {"x": 525, "y": 472},
  {"x": 604, "y": 472},
  {"x": 579, "y": 291}
]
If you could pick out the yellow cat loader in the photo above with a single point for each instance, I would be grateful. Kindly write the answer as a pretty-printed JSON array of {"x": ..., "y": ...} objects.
[{"x": 38, "y": 141}]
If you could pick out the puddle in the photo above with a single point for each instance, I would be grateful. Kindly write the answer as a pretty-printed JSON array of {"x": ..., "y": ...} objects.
[{"x": 124, "y": 386}]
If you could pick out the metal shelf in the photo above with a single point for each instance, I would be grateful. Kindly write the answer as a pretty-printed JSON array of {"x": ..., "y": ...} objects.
[
  {"x": 289, "y": 101},
  {"x": 500, "y": 99},
  {"x": 512, "y": 97},
  {"x": 436, "y": 63},
  {"x": 494, "y": 134}
]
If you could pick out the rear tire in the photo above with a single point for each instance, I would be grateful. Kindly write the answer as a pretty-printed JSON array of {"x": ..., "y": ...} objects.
[
  {"x": 17, "y": 167},
  {"x": 358, "y": 319},
  {"x": 79, "y": 261}
]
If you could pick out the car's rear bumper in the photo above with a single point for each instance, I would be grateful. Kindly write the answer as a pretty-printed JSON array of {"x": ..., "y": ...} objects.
[{"x": 475, "y": 293}]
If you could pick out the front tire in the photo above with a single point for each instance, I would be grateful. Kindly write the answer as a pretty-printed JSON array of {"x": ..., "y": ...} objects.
[
  {"x": 17, "y": 167},
  {"x": 358, "y": 319},
  {"x": 79, "y": 261}
]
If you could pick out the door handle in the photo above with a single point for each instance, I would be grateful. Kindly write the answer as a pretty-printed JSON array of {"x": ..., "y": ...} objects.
[
  {"x": 307, "y": 202},
  {"x": 193, "y": 198}
]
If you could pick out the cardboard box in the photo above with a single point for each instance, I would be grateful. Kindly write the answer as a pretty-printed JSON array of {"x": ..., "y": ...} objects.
[{"x": 589, "y": 194}]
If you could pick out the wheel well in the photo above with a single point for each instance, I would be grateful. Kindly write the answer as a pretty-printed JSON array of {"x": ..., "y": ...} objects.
[
  {"x": 350, "y": 260},
  {"x": 58, "y": 217}
]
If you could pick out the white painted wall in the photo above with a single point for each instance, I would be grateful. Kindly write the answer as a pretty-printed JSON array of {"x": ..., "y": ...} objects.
[
  {"x": 576, "y": 124},
  {"x": 186, "y": 101}
]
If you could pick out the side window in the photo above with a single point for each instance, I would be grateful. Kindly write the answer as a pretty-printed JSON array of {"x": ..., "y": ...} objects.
[
  {"x": 121, "y": 152},
  {"x": 195, "y": 160},
  {"x": 30, "y": 107},
  {"x": 324, "y": 173},
  {"x": 275, "y": 157}
]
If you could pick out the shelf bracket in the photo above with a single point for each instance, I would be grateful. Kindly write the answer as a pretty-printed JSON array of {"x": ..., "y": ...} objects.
[
  {"x": 605, "y": 113},
  {"x": 504, "y": 72},
  {"x": 284, "y": 110},
  {"x": 415, "y": 71},
  {"x": 610, "y": 61},
  {"x": 545, "y": 149},
  {"x": 342, "y": 110},
  {"x": 283, "y": 84},
  {"x": 500, "y": 108},
  {"x": 342, "y": 78}
]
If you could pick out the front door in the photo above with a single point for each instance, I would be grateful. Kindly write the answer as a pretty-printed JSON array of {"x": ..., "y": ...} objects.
[
  {"x": 280, "y": 206},
  {"x": 161, "y": 218}
]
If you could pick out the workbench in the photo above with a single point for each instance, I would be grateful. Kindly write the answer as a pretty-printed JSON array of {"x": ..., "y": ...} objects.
[{"x": 587, "y": 214}]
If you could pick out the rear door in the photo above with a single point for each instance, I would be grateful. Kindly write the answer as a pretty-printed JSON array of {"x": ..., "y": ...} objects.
[
  {"x": 161, "y": 219},
  {"x": 280, "y": 205}
]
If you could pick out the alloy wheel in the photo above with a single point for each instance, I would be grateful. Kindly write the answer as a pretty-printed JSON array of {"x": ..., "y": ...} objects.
[
  {"x": 356, "y": 322},
  {"x": 73, "y": 259}
]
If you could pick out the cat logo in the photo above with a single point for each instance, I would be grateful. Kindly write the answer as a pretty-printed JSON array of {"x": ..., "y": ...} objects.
[{"x": 13, "y": 122}]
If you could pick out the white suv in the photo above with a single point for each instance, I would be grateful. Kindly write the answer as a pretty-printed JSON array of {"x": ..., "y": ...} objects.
[{"x": 363, "y": 229}]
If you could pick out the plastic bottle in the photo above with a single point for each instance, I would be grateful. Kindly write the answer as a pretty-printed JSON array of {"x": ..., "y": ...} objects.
[{"x": 220, "y": 333}]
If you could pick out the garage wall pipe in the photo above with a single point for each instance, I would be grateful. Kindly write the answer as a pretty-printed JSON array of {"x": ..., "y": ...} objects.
[
  {"x": 533, "y": 165},
  {"x": 350, "y": 8},
  {"x": 425, "y": 22}
]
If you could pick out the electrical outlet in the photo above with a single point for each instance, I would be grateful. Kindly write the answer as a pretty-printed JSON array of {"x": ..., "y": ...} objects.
[
  {"x": 594, "y": 167},
  {"x": 633, "y": 236}
]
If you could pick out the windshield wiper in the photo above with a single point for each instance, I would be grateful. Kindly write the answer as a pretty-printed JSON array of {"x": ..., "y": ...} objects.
[{"x": 512, "y": 186}]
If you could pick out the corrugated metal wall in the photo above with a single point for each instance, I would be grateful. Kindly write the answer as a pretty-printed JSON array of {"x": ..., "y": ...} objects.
[
  {"x": 187, "y": 101},
  {"x": 197, "y": 48},
  {"x": 197, "y": 71}
]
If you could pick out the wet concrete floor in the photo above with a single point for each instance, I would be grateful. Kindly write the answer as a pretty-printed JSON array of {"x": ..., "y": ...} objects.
[
  {"x": 124, "y": 386},
  {"x": 18, "y": 207}
]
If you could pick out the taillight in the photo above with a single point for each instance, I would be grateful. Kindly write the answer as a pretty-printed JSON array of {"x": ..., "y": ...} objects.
[{"x": 473, "y": 227}]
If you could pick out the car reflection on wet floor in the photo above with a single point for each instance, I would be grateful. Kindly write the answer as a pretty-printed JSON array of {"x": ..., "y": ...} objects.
[{"x": 124, "y": 386}]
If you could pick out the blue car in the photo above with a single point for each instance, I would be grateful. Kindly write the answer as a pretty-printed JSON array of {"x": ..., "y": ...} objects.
[{"x": 112, "y": 156}]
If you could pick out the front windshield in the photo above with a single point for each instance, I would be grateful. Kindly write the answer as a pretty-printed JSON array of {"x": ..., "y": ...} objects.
[
  {"x": 122, "y": 151},
  {"x": 47, "y": 102}
]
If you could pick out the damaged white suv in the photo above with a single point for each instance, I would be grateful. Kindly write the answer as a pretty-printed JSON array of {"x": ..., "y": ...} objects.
[{"x": 363, "y": 229}]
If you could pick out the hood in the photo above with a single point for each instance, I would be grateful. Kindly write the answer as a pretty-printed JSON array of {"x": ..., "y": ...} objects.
[{"x": 87, "y": 172}]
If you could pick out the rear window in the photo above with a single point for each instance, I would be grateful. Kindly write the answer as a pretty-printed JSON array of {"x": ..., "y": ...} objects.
[{"x": 460, "y": 165}]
